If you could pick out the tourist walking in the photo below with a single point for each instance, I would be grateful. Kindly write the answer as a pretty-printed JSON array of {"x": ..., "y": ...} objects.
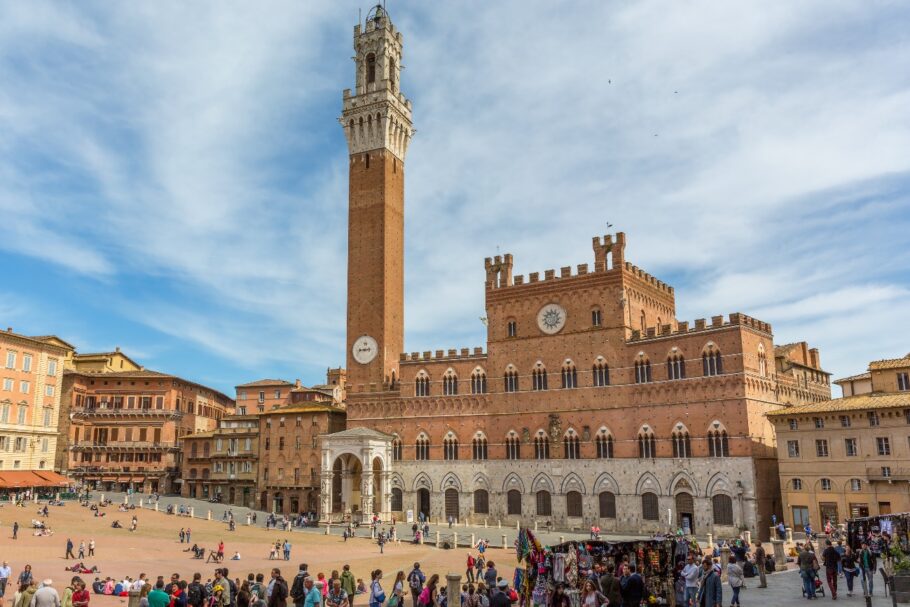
[
  {"x": 416, "y": 580},
  {"x": 91, "y": 547},
  {"x": 26, "y": 576},
  {"x": 46, "y": 596},
  {"x": 848, "y": 565},
  {"x": 469, "y": 571},
  {"x": 760, "y": 557},
  {"x": 313, "y": 593},
  {"x": 831, "y": 558},
  {"x": 632, "y": 586},
  {"x": 691, "y": 573},
  {"x": 489, "y": 577},
  {"x": 867, "y": 566},
  {"x": 81, "y": 549},
  {"x": 348, "y": 583},
  {"x": 16, "y": 530},
  {"x": 377, "y": 594},
  {"x": 710, "y": 591},
  {"x": 736, "y": 579},
  {"x": 69, "y": 549},
  {"x": 5, "y": 573},
  {"x": 298, "y": 589}
]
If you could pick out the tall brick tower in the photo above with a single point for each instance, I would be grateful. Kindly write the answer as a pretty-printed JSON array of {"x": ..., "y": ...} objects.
[{"x": 377, "y": 124}]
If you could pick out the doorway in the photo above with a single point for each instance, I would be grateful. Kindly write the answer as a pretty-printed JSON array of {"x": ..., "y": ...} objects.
[
  {"x": 685, "y": 513},
  {"x": 423, "y": 502},
  {"x": 452, "y": 504}
]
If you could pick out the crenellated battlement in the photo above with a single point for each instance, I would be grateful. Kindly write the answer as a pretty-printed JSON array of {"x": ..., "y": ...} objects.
[
  {"x": 648, "y": 278},
  {"x": 439, "y": 355},
  {"x": 717, "y": 322}
]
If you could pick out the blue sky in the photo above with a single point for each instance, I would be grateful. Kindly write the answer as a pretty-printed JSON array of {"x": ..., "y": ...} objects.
[{"x": 173, "y": 176}]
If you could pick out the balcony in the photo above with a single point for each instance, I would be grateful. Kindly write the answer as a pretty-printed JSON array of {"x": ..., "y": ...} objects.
[
  {"x": 119, "y": 447},
  {"x": 896, "y": 474},
  {"x": 122, "y": 470},
  {"x": 132, "y": 414}
]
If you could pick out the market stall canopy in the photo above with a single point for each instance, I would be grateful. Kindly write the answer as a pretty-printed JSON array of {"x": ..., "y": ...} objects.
[{"x": 28, "y": 479}]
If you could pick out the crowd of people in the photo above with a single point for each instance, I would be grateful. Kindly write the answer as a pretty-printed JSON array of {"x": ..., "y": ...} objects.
[{"x": 839, "y": 560}]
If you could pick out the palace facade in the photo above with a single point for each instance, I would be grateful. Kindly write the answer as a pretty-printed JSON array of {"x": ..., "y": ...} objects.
[{"x": 590, "y": 403}]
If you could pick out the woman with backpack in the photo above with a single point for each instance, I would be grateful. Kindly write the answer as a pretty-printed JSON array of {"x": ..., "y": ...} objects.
[
  {"x": 397, "y": 590},
  {"x": 736, "y": 578},
  {"x": 429, "y": 594},
  {"x": 377, "y": 594}
]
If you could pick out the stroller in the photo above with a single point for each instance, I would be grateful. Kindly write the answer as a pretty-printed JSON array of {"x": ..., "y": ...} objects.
[{"x": 819, "y": 587}]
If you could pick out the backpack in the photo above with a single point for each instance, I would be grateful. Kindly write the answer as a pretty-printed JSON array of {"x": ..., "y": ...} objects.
[
  {"x": 424, "y": 598},
  {"x": 194, "y": 594},
  {"x": 414, "y": 580}
]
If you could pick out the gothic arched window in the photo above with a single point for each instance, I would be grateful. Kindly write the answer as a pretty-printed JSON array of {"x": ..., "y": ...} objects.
[
  {"x": 511, "y": 380},
  {"x": 513, "y": 446},
  {"x": 396, "y": 450},
  {"x": 647, "y": 449},
  {"x": 422, "y": 448},
  {"x": 711, "y": 361},
  {"x": 642, "y": 371},
  {"x": 676, "y": 366},
  {"x": 450, "y": 447},
  {"x": 682, "y": 447},
  {"x": 422, "y": 385},
  {"x": 371, "y": 68},
  {"x": 450, "y": 383},
  {"x": 718, "y": 444},
  {"x": 541, "y": 446},
  {"x": 570, "y": 445},
  {"x": 569, "y": 376},
  {"x": 479, "y": 447},
  {"x": 604, "y": 445},
  {"x": 539, "y": 378},
  {"x": 601, "y": 374},
  {"x": 478, "y": 382}
]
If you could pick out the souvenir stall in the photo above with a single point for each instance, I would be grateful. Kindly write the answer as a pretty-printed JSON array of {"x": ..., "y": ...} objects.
[
  {"x": 571, "y": 563},
  {"x": 871, "y": 528}
]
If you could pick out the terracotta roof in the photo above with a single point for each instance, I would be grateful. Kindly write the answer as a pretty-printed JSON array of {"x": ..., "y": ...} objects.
[
  {"x": 23, "y": 479},
  {"x": 856, "y": 377},
  {"x": 47, "y": 338},
  {"x": 875, "y": 400},
  {"x": 34, "y": 340},
  {"x": 265, "y": 382},
  {"x": 80, "y": 355},
  {"x": 143, "y": 374},
  {"x": 890, "y": 363},
  {"x": 207, "y": 434}
]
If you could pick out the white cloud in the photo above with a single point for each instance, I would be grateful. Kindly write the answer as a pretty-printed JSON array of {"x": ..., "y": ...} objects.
[{"x": 743, "y": 148}]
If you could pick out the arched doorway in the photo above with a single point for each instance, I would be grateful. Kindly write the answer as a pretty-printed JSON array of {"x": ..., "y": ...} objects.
[
  {"x": 685, "y": 512},
  {"x": 423, "y": 502},
  {"x": 231, "y": 495},
  {"x": 264, "y": 501},
  {"x": 346, "y": 485},
  {"x": 451, "y": 504},
  {"x": 278, "y": 502}
]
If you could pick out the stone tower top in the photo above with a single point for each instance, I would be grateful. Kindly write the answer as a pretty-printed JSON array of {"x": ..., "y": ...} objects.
[{"x": 377, "y": 115}]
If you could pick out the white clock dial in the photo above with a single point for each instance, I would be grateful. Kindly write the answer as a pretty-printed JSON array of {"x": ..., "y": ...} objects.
[
  {"x": 365, "y": 349},
  {"x": 551, "y": 318}
]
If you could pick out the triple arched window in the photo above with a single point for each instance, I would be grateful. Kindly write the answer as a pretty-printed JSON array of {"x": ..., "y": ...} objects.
[
  {"x": 422, "y": 448},
  {"x": 647, "y": 446},
  {"x": 422, "y": 385},
  {"x": 450, "y": 383},
  {"x": 396, "y": 450},
  {"x": 479, "y": 447},
  {"x": 571, "y": 447},
  {"x": 604, "y": 442},
  {"x": 569, "y": 376},
  {"x": 450, "y": 447},
  {"x": 601, "y": 374},
  {"x": 511, "y": 380},
  {"x": 541, "y": 446},
  {"x": 718, "y": 444},
  {"x": 762, "y": 361},
  {"x": 643, "y": 371},
  {"x": 676, "y": 366},
  {"x": 712, "y": 362},
  {"x": 478, "y": 382},
  {"x": 513, "y": 446},
  {"x": 539, "y": 378},
  {"x": 682, "y": 447}
]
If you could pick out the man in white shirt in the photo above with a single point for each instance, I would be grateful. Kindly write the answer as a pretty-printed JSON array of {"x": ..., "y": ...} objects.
[
  {"x": 691, "y": 573},
  {"x": 5, "y": 572}
]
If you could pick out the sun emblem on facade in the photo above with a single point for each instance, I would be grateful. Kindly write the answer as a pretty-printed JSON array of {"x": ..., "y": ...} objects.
[{"x": 551, "y": 318}]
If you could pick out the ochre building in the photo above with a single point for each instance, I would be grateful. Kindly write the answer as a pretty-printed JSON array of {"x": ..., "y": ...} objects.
[
  {"x": 591, "y": 402},
  {"x": 222, "y": 463},
  {"x": 31, "y": 374},
  {"x": 848, "y": 456}
]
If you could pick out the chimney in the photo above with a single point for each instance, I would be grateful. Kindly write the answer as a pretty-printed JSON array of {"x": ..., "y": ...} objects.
[
  {"x": 297, "y": 383},
  {"x": 117, "y": 349}
]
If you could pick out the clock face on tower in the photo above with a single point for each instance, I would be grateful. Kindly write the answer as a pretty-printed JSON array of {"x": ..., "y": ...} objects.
[
  {"x": 551, "y": 318},
  {"x": 365, "y": 349}
]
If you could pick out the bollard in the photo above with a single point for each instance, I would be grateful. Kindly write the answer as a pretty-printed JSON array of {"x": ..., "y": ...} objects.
[
  {"x": 455, "y": 540},
  {"x": 724, "y": 558},
  {"x": 504, "y": 544},
  {"x": 473, "y": 541},
  {"x": 484, "y": 523},
  {"x": 518, "y": 525},
  {"x": 156, "y": 506},
  {"x": 437, "y": 539},
  {"x": 780, "y": 559},
  {"x": 773, "y": 532},
  {"x": 535, "y": 526},
  {"x": 562, "y": 540},
  {"x": 249, "y": 519},
  {"x": 421, "y": 539},
  {"x": 208, "y": 516},
  {"x": 453, "y": 587},
  {"x": 192, "y": 511},
  {"x": 328, "y": 528},
  {"x": 498, "y": 523},
  {"x": 710, "y": 541},
  {"x": 140, "y": 502},
  {"x": 747, "y": 537},
  {"x": 790, "y": 534}
]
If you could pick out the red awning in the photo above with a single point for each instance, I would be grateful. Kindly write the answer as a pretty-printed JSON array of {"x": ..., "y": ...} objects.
[{"x": 27, "y": 479}]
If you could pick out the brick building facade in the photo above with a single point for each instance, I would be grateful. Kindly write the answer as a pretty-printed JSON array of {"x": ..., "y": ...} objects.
[
  {"x": 127, "y": 426},
  {"x": 591, "y": 402}
]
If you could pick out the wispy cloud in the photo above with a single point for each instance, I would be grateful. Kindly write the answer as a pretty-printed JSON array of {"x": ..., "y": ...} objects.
[{"x": 186, "y": 159}]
